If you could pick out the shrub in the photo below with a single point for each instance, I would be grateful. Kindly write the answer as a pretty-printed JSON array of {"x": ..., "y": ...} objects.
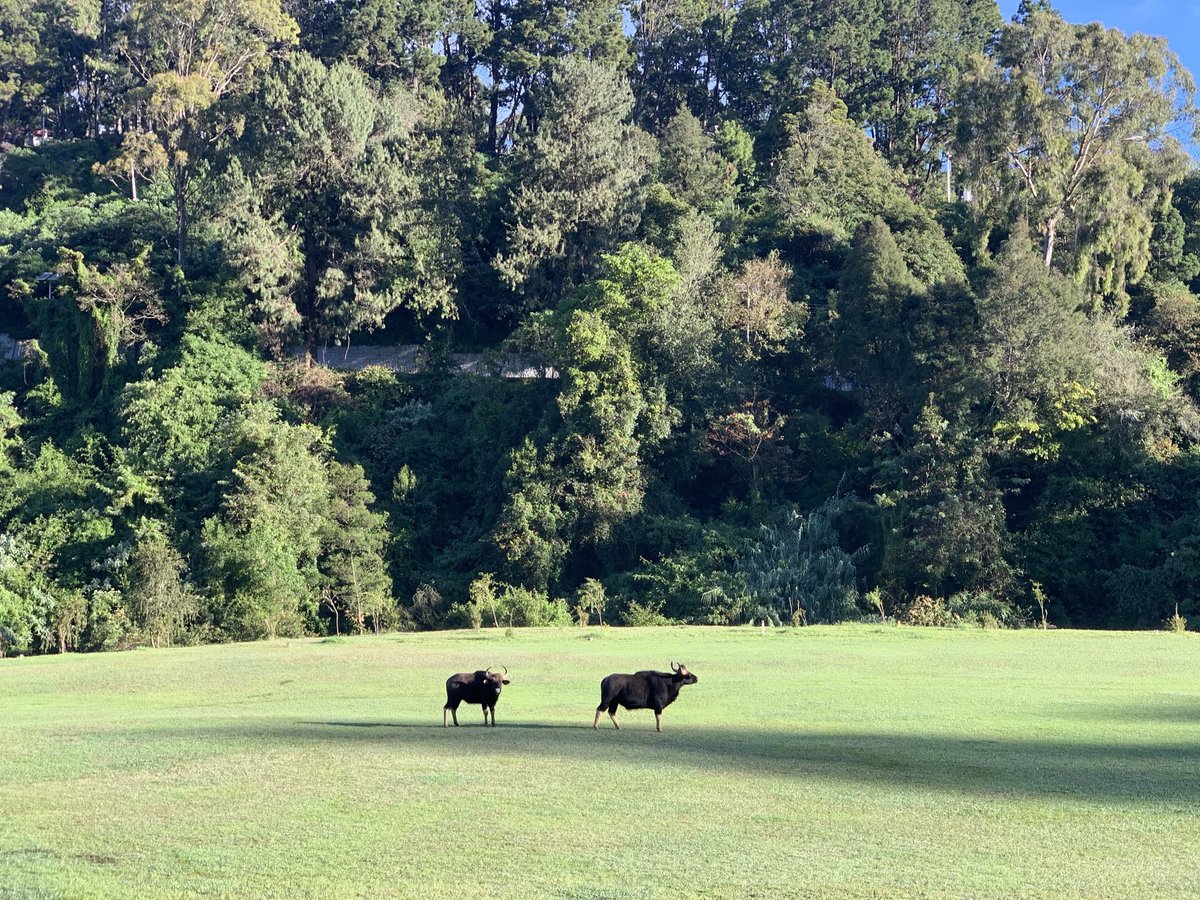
[
  {"x": 985, "y": 609},
  {"x": 483, "y": 596},
  {"x": 980, "y": 608},
  {"x": 521, "y": 606},
  {"x": 592, "y": 599},
  {"x": 801, "y": 565},
  {"x": 426, "y": 608},
  {"x": 465, "y": 615},
  {"x": 1176, "y": 622},
  {"x": 641, "y": 615},
  {"x": 927, "y": 612}
]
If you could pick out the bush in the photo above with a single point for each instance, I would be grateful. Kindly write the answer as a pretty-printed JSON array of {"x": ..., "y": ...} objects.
[
  {"x": 979, "y": 608},
  {"x": 642, "y": 615},
  {"x": 984, "y": 609},
  {"x": 520, "y": 606},
  {"x": 927, "y": 612},
  {"x": 800, "y": 565},
  {"x": 427, "y": 607},
  {"x": 465, "y": 615}
]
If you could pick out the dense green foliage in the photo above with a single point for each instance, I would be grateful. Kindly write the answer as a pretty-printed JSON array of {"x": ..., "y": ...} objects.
[
  {"x": 850, "y": 761},
  {"x": 824, "y": 300}
]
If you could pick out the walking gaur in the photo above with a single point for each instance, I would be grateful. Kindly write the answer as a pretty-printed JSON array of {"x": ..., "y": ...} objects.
[{"x": 642, "y": 690}]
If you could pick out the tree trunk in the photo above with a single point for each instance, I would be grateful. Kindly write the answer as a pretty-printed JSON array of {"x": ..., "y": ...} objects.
[
  {"x": 494, "y": 108},
  {"x": 181, "y": 217},
  {"x": 1051, "y": 234}
]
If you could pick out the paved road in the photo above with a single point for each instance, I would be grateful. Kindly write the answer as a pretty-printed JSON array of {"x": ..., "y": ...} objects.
[{"x": 404, "y": 358}]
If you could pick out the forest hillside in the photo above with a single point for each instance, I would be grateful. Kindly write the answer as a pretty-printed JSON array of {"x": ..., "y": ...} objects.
[{"x": 795, "y": 310}]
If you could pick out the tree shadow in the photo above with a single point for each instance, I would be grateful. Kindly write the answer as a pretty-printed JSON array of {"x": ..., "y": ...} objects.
[
  {"x": 1097, "y": 771},
  {"x": 1160, "y": 710},
  {"x": 438, "y": 727}
]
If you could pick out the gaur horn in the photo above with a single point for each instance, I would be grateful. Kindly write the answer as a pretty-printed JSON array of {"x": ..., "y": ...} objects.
[
  {"x": 505, "y": 668},
  {"x": 674, "y": 668}
]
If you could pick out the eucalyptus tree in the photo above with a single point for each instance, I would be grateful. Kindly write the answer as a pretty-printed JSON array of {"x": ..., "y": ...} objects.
[{"x": 1074, "y": 126}]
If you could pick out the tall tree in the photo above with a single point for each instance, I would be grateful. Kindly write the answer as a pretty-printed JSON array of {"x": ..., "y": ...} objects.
[
  {"x": 331, "y": 225},
  {"x": 261, "y": 551},
  {"x": 580, "y": 182},
  {"x": 1035, "y": 352},
  {"x": 160, "y": 600},
  {"x": 927, "y": 45},
  {"x": 691, "y": 165},
  {"x": 188, "y": 55},
  {"x": 876, "y": 293},
  {"x": 829, "y": 180},
  {"x": 1073, "y": 126},
  {"x": 355, "y": 579},
  {"x": 590, "y": 475},
  {"x": 944, "y": 525}
]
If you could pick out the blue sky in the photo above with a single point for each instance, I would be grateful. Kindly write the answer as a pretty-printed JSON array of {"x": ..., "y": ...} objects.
[{"x": 1176, "y": 20}]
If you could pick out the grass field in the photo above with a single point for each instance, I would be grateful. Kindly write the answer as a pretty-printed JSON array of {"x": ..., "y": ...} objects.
[{"x": 842, "y": 761}]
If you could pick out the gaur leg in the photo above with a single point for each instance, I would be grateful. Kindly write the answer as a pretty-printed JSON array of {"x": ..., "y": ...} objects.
[
  {"x": 445, "y": 709},
  {"x": 493, "y": 709},
  {"x": 596, "y": 721},
  {"x": 453, "y": 707},
  {"x": 612, "y": 714},
  {"x": 658, "y": 720}
]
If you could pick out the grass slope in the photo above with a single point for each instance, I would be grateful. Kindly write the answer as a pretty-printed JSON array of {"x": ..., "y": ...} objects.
[{"x": 847, "y": 761}]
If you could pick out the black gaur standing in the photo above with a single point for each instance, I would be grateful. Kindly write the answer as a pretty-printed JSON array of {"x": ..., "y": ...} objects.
[
  {"x": 642, "y": 690},
  {"x": 481, "y": 687}
]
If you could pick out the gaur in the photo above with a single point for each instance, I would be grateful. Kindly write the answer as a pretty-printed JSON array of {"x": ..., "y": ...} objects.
[
  {"x": 642, "y": 690},
  {"x": 481, "y": 687}
]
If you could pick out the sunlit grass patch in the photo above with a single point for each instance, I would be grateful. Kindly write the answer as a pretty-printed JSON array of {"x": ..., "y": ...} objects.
[{"x": 847, "y": 761}]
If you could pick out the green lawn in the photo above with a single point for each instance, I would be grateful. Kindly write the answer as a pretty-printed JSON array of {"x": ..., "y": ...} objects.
[{"x": 841, "y": 761}]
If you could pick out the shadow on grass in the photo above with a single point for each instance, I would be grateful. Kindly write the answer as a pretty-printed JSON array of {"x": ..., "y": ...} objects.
[
  {"x": 1160, "y": 711},
  {"x": 1109, "y": 772},
  {"x": 423, "y": 726}
]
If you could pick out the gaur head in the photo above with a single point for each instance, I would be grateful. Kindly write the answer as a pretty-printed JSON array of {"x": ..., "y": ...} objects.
[
  {"x": 682, "y": 674},
  {"x": 494, "y": 680}
]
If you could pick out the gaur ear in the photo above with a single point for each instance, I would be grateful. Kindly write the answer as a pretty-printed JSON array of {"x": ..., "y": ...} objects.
[{"x": 505, "y": 681}]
